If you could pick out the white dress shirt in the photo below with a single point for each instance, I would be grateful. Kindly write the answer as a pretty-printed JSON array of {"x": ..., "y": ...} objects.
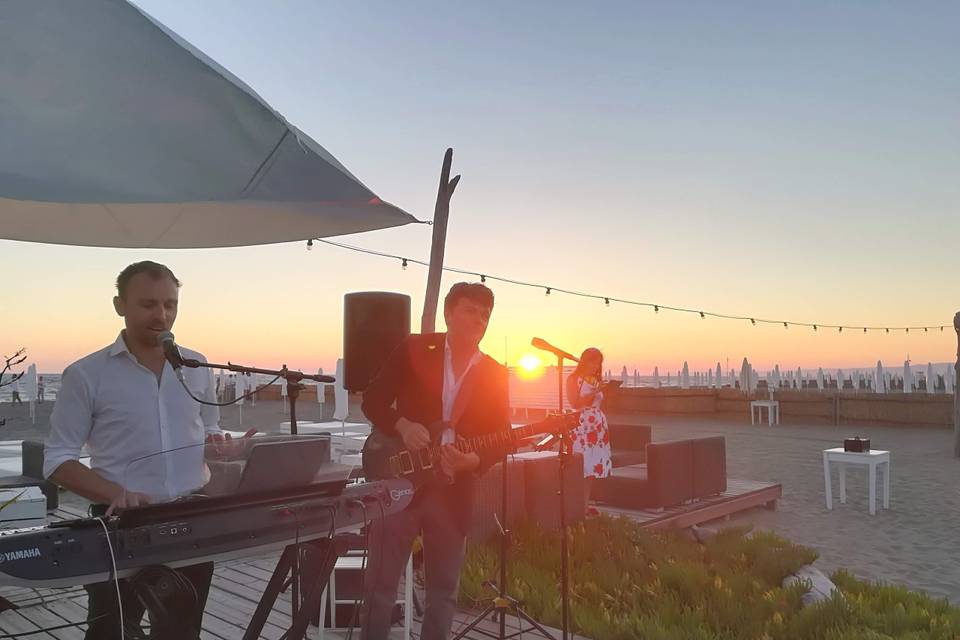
[
  {"x": 451, "y": 388},
  {"x": 142, "y": 433}
]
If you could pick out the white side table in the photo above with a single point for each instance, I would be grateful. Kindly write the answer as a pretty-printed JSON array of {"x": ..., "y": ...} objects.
[
  {"x": 872, "y": 459},
  {"x": 773, "y": 411}
]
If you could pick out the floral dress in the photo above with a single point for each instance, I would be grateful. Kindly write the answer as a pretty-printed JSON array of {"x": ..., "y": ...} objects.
[{"x": 592, "y": 437}]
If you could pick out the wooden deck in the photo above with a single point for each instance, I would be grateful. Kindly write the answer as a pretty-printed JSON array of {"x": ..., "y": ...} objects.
[
  {"x": 740, "y": 495},
  {"x": 234, "y": 594}
]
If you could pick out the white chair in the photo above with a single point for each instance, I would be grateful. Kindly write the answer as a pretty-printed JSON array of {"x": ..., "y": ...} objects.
[
  {"x": 773, "y": 410},
  {"x": 354, "y": 561}
]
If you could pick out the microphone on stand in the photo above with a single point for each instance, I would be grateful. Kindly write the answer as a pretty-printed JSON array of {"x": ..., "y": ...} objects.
[
  {"x": 172, "y": 353},
  {"x": 540, "y": 343}
]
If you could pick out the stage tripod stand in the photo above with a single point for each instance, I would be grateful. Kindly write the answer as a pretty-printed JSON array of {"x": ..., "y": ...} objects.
[{"x": 502, "y": 603}]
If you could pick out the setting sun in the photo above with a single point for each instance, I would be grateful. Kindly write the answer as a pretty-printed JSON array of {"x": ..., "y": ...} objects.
[{"x": 530, "y": 366}]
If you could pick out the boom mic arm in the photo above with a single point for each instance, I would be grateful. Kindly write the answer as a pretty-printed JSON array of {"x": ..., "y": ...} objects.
[{"x": 540, "y": 343}]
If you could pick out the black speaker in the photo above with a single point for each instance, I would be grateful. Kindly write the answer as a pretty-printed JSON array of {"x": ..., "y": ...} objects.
[{"x": 374, "y": 323}]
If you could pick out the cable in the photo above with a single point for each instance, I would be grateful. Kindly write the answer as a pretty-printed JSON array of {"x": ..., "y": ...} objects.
[
  {"x": 651, "y": 305},
  {"x": 116, "y": 578},
  {"x": 224, "y": 404}
]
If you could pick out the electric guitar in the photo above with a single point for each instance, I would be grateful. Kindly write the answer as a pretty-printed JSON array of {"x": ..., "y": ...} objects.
[{"x": 385, "y": 456}]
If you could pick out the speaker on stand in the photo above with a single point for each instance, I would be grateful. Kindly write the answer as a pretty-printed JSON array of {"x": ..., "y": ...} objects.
[{"x": 374, "y": 323}]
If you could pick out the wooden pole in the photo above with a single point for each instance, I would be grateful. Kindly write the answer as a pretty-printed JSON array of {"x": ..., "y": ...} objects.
[
  {"x": 440, "y": 214},
  {"x": 956, "y": 393}
]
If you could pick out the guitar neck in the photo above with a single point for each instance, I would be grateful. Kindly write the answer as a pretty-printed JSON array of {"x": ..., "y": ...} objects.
[{"x": 498, "y": 439}]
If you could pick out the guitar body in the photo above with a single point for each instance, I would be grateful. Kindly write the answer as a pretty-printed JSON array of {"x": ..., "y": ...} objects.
[{"x": 386, "y": 457}]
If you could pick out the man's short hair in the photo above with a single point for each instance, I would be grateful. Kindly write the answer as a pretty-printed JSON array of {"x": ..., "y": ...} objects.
[
  {"x": 153, "y": 269},
  {"x": 473, "y": 291}
]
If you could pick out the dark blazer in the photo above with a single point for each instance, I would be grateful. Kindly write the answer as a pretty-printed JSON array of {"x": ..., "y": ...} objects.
[{"x": 410, "y": 385}]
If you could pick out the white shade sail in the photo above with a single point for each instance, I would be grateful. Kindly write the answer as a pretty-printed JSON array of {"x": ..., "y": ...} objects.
[{"x": 118, "y": 133}]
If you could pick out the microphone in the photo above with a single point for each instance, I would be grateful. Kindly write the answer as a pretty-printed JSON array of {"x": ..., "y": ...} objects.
[
  {"x": 171, "y": 353},
  {"x": 540, "y": 343}
]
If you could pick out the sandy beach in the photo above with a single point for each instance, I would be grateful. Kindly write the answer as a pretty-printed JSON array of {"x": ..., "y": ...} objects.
[{"x": 913, "y": 543}]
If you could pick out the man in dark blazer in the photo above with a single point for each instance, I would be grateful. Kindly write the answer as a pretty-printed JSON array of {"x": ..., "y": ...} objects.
[{"x": 430, "y": 378}]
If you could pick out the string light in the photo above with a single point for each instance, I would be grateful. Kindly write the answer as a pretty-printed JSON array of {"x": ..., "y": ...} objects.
[
  {"x": 606, "y": 299},
  {"x": 403, "y": 264}
]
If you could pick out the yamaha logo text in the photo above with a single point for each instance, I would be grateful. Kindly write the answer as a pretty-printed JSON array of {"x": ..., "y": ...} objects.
[{"x": 20, "y": 554}]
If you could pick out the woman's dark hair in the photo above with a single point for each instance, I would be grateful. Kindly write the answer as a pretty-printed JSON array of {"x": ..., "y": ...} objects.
[
  {"x": 579, "y": 371},
  {"x": 474, "y": 291},
  {"x": 154, "y": 269}
]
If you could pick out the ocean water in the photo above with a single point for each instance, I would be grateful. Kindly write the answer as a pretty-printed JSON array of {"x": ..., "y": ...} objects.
[{"x": 51, "y": 386}]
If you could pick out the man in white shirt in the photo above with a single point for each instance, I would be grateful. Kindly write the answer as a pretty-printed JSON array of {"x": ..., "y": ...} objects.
[{"x": 126, "y": 405}]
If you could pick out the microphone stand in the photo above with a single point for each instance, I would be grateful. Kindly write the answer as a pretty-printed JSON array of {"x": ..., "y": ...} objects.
[
  {"x": 294, "y": 387},
  {"x": 563, "y": 453},
  {"x": 293, "y": 379}
]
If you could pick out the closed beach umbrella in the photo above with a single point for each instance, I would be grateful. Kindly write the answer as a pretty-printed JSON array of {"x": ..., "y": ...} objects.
[
  {"x": 719, "y": 376},
  {"x": 949, "y": 379},
  {"x": 240, "y": 388},
  {"x": 880, "y": 385},
  {"x": 636, "y": 378},
  {"x": 709, "y": 378},
  {"x": 623, "y": 375},
  {"x": 321, "y": 388},
  {"x": 799, "y": 378},
  {"x": 931, "y": 380},
  {"x": 31, "y": 386},
  {"x": 820, "y": 378},
  {"x": 119, "y": 133},
  {"x": 342, "y": 405},
  {"x": 839, "y": 379},
  {"x": 907, "y": 377},
  {"x": 745, "y": 376},
  {"x": 669, "y": 383},
  {"x": 685, "y": 377},
  {"x": 656, "y": 377}
]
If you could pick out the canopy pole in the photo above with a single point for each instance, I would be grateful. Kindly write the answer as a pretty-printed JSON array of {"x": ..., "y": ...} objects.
[
  {"x": 440, "y": 214},
  {"x": 956, "y": 393}
]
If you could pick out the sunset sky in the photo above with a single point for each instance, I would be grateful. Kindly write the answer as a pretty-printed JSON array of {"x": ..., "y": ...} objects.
[{"x": 788, "y": 160}]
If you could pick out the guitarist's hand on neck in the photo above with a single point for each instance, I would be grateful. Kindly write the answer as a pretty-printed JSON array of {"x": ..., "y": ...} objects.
[
  {"x": 458, "y": 462},
  {"x": 415, "y": 435}
]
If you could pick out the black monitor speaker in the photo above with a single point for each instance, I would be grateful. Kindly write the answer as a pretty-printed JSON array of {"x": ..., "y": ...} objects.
[{"x": 374, "y": 323}]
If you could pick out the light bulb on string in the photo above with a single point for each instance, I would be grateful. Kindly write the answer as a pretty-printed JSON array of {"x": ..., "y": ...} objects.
[
  {"x": 606, "y": 301},
  {"x": 702, "y": 315},
  {"x": 753, "y": 322},
  {"x": 786, "y": 326},
  {"x": 547, "y": 292},
  {"x": 814, "y": 327},
  {"x": 656, "y": 308},
  {"x": 310, "y": 244},
  {"x": 483, "y": 278},
  {"x": 403, "y": 264}
]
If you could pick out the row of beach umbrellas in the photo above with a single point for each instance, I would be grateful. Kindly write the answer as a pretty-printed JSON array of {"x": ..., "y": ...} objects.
[{"x": 877, "y": 380}]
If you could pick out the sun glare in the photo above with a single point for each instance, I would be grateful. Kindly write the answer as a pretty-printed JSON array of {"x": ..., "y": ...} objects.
[{"x": 530, "y": 366}]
